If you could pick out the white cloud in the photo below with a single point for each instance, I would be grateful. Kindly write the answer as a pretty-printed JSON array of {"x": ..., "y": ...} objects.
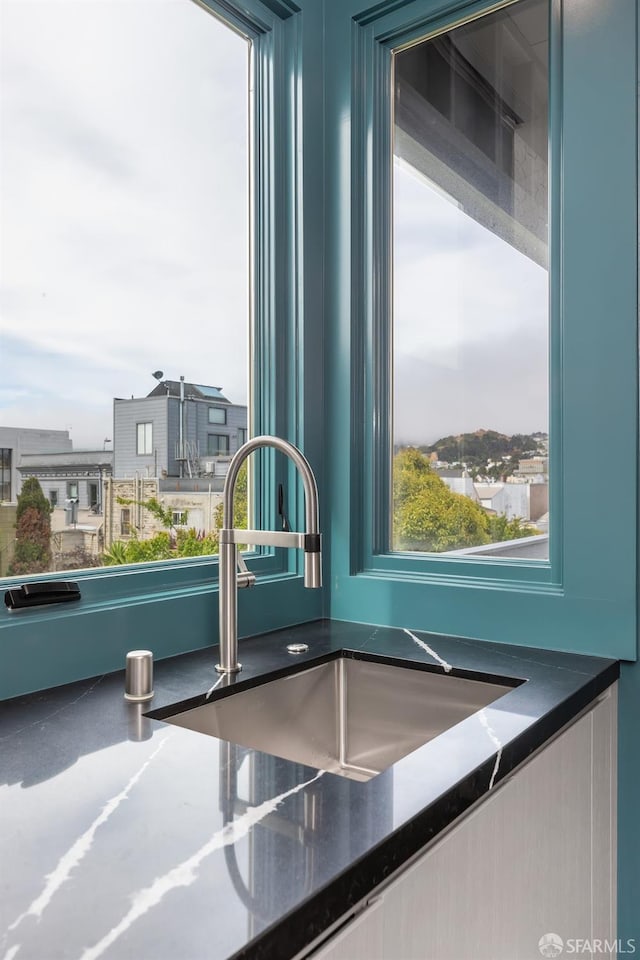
[
  {"x": 470, "y": 323},
  {"x": 123, "y": 158}
]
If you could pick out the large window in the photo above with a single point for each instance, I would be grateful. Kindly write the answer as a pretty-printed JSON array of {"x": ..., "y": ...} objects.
[
  {"x": 125, "y": 241},
  {"x": 213, "y": 92},
  {"x": 472, "y": 332},
  {"x": 470, "y": 306},
  {"x": 144, "y": 439}
]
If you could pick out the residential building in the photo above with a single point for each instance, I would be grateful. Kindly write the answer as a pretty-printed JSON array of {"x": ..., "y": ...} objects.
[
  {"x": 77, "y": 475},
  {"x": 526, "y": 501},
  {"x": 18, "y": 442},
  {"x": 532, "y": 468},
  {"x": 179, "y": 430}
]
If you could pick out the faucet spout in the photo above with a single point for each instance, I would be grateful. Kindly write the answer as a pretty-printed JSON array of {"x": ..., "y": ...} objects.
[{"x": 309, "y": 541}]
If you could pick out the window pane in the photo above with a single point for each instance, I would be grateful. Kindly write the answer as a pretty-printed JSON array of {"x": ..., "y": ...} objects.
[
  {"x": 470, "y": 310},
  {"x": 218, "y": 444},
  {"x": 217, "y": 415},
  {"x": 145, "y": 439},
  {"x": 5, "y": 473},
  {"x": 125, "y": 268}
]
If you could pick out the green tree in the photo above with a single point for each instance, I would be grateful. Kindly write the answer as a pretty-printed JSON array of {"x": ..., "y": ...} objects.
[
  {"x": 502, "y": 529},
  {"x": 240, "y": 501},
  {"x": 427, "y": 516},
  {"x": 33, "y": 531},
  {"x": 430, "y": 518}
]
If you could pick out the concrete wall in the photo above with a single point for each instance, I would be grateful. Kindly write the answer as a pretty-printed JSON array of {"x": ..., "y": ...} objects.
[
  {"x": 142, "y": 522},
  {"x": 202, "y": 508},
  {"x": 200, "y": 504},
  {"x": 76, "y": 548}
]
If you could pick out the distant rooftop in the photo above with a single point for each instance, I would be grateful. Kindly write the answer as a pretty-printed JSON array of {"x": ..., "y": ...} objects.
[
  {"x": 72, "y": 459},
  {"x": 198, "y": 391}
]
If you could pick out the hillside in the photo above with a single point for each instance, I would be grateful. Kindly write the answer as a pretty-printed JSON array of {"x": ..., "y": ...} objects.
[{"x": 484, "y": 445}]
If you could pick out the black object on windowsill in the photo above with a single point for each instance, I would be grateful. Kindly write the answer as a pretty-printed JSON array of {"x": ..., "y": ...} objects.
[{"x": 38, "y": 594}]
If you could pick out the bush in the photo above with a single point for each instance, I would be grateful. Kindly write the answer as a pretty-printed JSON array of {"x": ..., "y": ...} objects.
[{"x": 33, "y": 531}]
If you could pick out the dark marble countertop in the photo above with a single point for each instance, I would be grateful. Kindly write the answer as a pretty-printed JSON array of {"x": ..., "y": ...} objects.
[{"x": 127, "y": 838}]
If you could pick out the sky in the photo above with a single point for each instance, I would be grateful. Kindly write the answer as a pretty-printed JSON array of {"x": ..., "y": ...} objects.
[
  {"x": 124, "y": 212},
  {"x": 124, "y": 236},
  {"x": 470, "y": 323}
]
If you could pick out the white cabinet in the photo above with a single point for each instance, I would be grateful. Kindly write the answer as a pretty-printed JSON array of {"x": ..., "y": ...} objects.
[{"x": 537, "y": 856}]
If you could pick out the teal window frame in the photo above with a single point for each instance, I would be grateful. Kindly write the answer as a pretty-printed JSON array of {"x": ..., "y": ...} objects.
[
  {"x": 584, "y": 598},
  {"x": 174, "y": 601}
]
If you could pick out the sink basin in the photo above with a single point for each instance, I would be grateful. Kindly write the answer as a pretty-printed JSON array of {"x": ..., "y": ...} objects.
[{"x": 348, "y": 716}]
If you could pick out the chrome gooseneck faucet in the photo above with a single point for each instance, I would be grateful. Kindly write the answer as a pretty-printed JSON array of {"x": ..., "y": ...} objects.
[{"x": 230, "y": 579}]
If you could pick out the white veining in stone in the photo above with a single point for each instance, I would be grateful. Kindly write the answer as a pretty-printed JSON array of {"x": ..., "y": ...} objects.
[
  {"x": 370, "y": 637},
  {"x": 49, "y": 716},
  {"x": 76, "y": 853},
  {"x": 482, "y": 716},
  {"x": 216, "y": 684},
  {"x": 425, "y": 646},
  {"x": 11, "y": 952},
  {"x": 184, "y": 874}
]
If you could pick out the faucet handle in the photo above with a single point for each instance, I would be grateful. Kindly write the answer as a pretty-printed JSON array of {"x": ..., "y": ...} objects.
[{"x": 245, "y": 578}]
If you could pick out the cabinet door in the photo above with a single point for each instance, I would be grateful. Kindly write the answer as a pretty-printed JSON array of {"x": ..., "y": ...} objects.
[{"x": 537, "y": 856}]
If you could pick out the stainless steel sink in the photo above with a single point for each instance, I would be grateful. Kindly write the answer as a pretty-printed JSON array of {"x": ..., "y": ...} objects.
[{"x": 350, "y": 717}]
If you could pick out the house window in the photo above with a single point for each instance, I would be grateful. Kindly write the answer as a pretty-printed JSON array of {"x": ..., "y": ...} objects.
[
  {"x": 217, "y": 415},
  {"x": 53, "y": 498},
  {"x": 242, "y": 435},
  {"x": 470, "y": 288},
  {"x": 72, "y": 490},
  {"x": 125, "y": 522},
  {"x": 217, "y": 444},
  {"x": 179, "y": 517},
  {"x": 144, "y": 444},
  {"x": 5, "y": 473}
]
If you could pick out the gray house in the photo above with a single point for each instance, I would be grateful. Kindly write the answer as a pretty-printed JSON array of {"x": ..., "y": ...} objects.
[
  {"x": 179, "y": 430},
  {"x": 76, "y": 475},
  {"x": 15, "y": 443}
]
